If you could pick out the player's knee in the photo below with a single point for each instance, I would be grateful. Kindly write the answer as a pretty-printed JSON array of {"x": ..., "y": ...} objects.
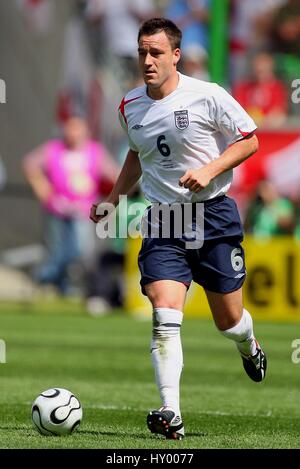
[
  {"x": 161, "y": 300},
  {"x": 226, "y": 323},
  {"x": 228, "y": 318},
  {"x": 162, "y": 296},
  {"x": 241, "y": 330},
  {"x": 167, "y": 303}
]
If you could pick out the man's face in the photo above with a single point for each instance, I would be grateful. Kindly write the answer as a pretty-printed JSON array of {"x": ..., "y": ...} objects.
[
  {"x": 263, "y": 67},
  {"x": 157, "y": 60}
]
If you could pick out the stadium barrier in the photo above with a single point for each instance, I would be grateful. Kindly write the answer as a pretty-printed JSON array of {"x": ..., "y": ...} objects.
[{"x": 271, "y": 289}]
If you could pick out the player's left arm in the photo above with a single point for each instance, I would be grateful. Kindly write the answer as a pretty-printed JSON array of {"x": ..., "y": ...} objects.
[{"x": 197, "y": 179}]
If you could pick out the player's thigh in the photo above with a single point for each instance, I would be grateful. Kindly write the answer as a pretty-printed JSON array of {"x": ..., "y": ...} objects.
[
  {"x": 166, "y": 294},
  {"x": 226, "y": 308},
  {"x": 165, "y": 272}
]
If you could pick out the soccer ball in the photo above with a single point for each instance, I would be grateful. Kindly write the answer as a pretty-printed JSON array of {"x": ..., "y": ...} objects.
[{"x": 56, "y": 412}]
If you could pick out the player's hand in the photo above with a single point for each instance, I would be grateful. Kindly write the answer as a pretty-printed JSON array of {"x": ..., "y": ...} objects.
[
  {"x": 195, "y": 179},
  {"x": 93, "y": 215},
  {"x": 105, "y": 209}
]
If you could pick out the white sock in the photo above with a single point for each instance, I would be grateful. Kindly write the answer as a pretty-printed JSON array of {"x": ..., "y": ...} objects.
[
  {"x": 242, "y": 334},
  {"x": 166, "y": 352}
]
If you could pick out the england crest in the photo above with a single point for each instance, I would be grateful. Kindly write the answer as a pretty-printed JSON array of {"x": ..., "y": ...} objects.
[{"x": 181, "y": 119}]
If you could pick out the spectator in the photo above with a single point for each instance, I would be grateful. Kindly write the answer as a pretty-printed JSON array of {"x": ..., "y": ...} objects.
[
  {"x": 286, "y": 43},
  {"x": 79, "y": 90},
  {"x": 250, "y": 30},
  {"x": 65, "y": 175},
  {"x": 287, "y": 29},
  {"x": 192, "y": 17},
  {"x": 269, "y": 214},
  {"x": 194, "y": 62},
  {"x": 264, "y": 96},
  {"x": 119, "y": 23}
]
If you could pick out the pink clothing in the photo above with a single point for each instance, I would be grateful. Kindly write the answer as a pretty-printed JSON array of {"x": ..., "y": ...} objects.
[{"x": 74, "y": 176}]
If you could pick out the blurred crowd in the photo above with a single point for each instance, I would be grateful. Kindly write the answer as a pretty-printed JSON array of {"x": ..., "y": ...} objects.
[
  {"x": 263, "y": 57},
  {"x": 98, "y": 66}
]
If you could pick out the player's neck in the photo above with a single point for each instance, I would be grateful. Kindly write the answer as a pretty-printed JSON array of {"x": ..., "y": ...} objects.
[{"x": 165, "y": 89}]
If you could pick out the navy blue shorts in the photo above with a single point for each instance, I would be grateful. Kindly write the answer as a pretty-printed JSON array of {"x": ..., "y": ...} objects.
[{"x": 218, "y": 266}]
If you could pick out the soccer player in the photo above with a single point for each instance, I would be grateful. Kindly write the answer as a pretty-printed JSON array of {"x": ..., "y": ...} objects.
[{"x": 185, "y": 137}]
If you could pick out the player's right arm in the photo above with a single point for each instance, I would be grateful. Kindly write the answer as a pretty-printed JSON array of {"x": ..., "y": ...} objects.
[{"x": 129, "y": 176}]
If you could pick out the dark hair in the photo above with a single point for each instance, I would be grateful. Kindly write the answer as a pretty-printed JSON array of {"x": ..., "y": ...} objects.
[{"x": 156, "y": 25}]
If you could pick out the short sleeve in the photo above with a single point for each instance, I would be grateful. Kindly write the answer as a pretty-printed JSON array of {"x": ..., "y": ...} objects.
[
  {"x": 122, "y": 119},
  {"x": 228, "y": 116}
]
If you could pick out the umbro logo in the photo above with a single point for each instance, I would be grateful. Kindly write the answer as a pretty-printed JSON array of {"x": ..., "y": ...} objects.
[
  {"x": 137, "y": 126},
  {"x": 239, "y": 275}
]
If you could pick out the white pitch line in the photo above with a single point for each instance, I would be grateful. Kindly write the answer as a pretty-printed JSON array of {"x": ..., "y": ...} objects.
[
  {"x": 199, "y": 412},
  {"x": 202, "y": 412}
]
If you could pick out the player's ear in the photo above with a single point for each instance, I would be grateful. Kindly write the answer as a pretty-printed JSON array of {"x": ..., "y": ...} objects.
[{"x": 176, "y": 56}]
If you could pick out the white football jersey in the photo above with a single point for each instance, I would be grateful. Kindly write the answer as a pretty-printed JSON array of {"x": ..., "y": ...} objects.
[{"x": 187, "y": 129}]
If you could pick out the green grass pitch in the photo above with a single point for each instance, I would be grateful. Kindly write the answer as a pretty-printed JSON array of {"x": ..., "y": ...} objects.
[{"x": 106, "y": 363}]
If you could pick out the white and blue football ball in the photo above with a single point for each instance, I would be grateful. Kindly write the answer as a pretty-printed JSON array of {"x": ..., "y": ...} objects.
[{"x": 56, "y": 412}]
